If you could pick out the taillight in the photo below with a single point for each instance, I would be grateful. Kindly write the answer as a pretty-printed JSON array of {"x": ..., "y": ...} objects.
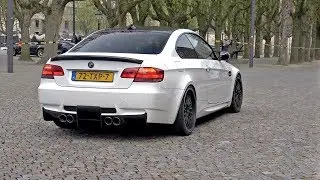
[
  {"x": 49, "y": 71},
  {"x": 143, "y": 74}
]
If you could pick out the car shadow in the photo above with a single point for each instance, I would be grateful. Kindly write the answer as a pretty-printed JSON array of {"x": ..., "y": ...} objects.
[
  {"x": 211, "y": 117},
  {"x": 138, "y": 130}
]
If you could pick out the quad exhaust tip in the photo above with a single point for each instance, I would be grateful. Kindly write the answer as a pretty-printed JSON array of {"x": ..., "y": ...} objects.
[
  {"x": 70, "y": 119},
  {"x": 108, "y": 121},
  {"x": 117, "y": 121},
  {"x": 63, "y": 118}
]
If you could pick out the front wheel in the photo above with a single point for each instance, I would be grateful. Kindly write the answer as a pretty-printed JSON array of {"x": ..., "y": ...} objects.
[
  {"x": 237, "y": 96},
  {"x": 40, "y": 53},
  {"x": 186, "y": 118}
]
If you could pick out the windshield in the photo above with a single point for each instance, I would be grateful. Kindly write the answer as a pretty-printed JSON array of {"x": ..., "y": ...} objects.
[{"x": 136, "y": 42}]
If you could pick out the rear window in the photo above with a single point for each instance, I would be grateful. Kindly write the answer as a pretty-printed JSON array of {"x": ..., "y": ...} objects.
[{"x": 145, "y": 42}]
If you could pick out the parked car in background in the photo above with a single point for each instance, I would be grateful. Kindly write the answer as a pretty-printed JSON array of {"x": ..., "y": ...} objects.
[
  {"x": 64, "y": 46},
  {"x": 37, "y": 48}
]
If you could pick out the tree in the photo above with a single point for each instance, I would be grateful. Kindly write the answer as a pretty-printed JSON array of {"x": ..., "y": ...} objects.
[
  {"x": 246, "y": 31},
  {"x": 317, "y": 43},
  {"x": 310, "y": 23},
  {"x": 50, "y": 10},
  {"x": 298, "y": 34},
  {"x": 85, "y": 17},
  {"x": 204, "y": 16},
  {"x": 3, "y": 16},
  {"x": 315, "y": 31},
  {"x": 116, "y": 11},
  {"x": 222, "y": 11},
  {"x": 239, "y": 20},
  {"x": 24, "y": 10},
  {"x": 313, "y": 46},
  {"x": 140, "y": 13},
  {"x": 272, "y": 11},
  {"x": 286, "y": 8},
  {"x": 261, "y": 9},
  {"x": 173, "y": 13},
  {"x": 277, "y": 33}
]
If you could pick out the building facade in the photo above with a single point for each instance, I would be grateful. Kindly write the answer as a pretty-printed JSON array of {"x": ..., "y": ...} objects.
[{"x": 38, "y": 23}]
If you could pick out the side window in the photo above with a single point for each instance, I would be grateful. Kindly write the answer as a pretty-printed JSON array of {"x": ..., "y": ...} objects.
[
  {"x": 184, "y": 48},
  {"x": 201, "y": 47}
]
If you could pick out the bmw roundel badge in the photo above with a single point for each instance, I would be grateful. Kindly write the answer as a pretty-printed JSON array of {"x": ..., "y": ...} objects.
[{"x": 90, "y": 64}]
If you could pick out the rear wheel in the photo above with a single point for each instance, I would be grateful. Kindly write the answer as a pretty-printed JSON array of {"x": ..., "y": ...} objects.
[
  {"x": 237, "y": 96},
  {"x": 186, "y": 118}
]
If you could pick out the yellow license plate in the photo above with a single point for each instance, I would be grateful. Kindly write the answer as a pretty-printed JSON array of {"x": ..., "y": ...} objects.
[{"x": 93, "y": 76}]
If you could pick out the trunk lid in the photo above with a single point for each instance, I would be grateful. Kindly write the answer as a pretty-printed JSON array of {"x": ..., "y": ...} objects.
[{"x": 96, "y": 70}]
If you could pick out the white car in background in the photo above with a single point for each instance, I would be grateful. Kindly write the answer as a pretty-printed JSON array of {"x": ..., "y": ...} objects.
[{"x": 160, "y": 76}]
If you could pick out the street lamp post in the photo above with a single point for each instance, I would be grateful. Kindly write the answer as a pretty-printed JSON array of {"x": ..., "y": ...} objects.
[
  {"x": 99, "y": 17},
  {"x": 10, "y": 35},
  {"x": 253, "y": 19},
  {"x": 74, "y": 20}
]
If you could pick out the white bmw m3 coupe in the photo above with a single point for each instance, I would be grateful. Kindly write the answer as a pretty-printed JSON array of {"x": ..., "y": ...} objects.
[{"x": 159, "y": 76}]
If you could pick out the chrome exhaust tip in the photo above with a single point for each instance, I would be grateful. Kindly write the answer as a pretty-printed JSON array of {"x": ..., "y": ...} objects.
[
  {"x": 63, "y": 118},
  {"x": 117, "y": 121},
  {"x": 108, "y": 121},
  {"x": 70, "y": 119}
]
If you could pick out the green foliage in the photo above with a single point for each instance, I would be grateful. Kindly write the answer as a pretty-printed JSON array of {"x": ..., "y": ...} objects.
[
  {"x": 3, "y": 12},
  {"x": 86, "y": 19},
  {"x": 175, "y": 13}
]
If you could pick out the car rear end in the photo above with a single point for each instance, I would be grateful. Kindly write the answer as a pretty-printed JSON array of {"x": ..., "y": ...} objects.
[{"x": 111, "y": 87}]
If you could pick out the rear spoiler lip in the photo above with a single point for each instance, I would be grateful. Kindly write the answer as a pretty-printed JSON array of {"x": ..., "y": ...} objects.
[{"x": 96, "y": 58}]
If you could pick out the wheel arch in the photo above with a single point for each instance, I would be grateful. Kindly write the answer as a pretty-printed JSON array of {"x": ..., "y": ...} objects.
[{"x": 188, "y": 86}]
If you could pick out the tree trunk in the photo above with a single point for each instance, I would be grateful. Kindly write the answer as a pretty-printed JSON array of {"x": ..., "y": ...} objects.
[
  {"x": 53, "y": 23},
  {"x": 296, "y": 33},
  {"x": 25, "y": 36},
  {"x": 267, "y": 47},
  {"x": 285, "y": 14},
  {"x": 202, "y": 33},
  {"x": 217, "y": 35},
  {"x": 276, "y": 52},
  {"x": 257, "y": 52},
  {"x": 163, "y": 23},
  {"x": 202, "y": 26},
  {"x": 308, "y": 44},
  {"x": 317, "y": 51},
  {"x": 122, "y": 21},
  {"x": 301, "y": 52},
  {"x": 246, "y": 47},
  {"x": 313, "y": 46}
]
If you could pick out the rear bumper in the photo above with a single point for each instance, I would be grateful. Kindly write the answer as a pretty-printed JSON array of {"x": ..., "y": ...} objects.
[
  {"x": 53, "y": 115},
  {"x": 158, "y": 104}
]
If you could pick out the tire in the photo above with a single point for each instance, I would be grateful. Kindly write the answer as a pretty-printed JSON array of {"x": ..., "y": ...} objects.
[
  {"x": 64, "y": 125},
  {"x": 237, "y": 96},
  {"x": 186, "y": 118},
  {"x": 14, "y": 52},
  {"x": 40, "y": 53}
]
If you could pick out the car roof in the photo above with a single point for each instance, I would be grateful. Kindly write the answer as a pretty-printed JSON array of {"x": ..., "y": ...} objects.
[{"x": 131, "y": 28}]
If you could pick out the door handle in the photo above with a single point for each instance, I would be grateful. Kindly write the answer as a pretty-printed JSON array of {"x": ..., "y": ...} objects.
[{"x": 207, "y": 69}]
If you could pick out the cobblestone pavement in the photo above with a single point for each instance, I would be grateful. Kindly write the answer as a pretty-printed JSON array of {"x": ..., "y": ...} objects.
[{"x": 276, "y": 135}]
